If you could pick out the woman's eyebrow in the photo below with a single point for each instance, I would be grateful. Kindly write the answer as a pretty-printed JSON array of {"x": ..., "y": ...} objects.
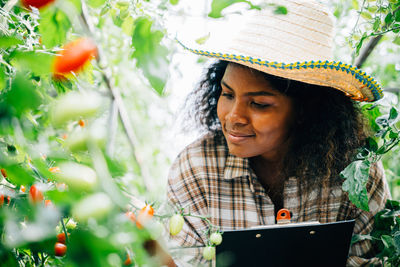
[{"x": 255, "y": 93}]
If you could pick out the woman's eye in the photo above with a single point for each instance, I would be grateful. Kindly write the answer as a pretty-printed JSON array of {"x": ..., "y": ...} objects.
[
  {"x": 227, "y": 95},
  {"x": 259, "y": 105}
]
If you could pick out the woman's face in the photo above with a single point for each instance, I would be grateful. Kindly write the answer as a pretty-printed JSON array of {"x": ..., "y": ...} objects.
[{"x": 255, "y": 118}]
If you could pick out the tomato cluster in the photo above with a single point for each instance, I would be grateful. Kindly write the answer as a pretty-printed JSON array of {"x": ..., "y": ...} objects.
[{"x": 209, "y": 251}]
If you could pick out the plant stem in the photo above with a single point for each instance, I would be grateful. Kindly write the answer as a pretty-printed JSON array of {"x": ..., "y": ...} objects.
[
  {"x": 367, "y": 50},
  {"x": 123, "y": 114},
  {"x": 10, "y": 4},
  {"x": 65, "y": 231}
]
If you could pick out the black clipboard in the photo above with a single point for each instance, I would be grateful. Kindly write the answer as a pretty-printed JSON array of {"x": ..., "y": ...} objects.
[{"x": 303, "y": 244}]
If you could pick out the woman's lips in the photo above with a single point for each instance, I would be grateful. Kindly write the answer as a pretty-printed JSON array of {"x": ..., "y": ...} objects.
[{"x": 234, "y": 137}]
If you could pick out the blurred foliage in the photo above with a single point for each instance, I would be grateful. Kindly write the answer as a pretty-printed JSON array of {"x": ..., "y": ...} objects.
[{"x": 51, "y": 121}]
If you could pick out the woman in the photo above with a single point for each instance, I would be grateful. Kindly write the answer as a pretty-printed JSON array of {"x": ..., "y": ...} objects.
[{"x": 281, "y": 124}]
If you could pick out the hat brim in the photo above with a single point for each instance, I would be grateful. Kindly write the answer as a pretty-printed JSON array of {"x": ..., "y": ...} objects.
[{"x": 353, "y": 82}]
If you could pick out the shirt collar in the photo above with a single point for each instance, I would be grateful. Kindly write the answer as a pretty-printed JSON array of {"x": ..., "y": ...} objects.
[{"x": 236, "y": 167}]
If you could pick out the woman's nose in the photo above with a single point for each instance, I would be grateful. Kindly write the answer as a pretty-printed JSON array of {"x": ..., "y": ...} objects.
[{"x": 237, "y": 114}]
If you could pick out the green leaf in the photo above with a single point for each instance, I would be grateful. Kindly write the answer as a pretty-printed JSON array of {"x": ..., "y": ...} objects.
[
  {"x": 174, "y": 2},
  {"x": 8, "y": 41},
  {"x": 53, "y": 27},
  {"x": 356, "y": 175},
  {"x": 281, "y": 10},
  {"x": 22, "y": 96},
  {"x": 389, "y": 19},
  {"x": 150, "y": 54},
  {"x": 393, "y": 135},
  {"x": 393, "y": 114},
  {"x": 3, "y": 78},
  {"x": 372, "y": 145},
  {"x": 366, "y": 15},
  {"x": 105, "y": 10},
  {"x": 387, "y": 241},
  {"x": 360, "y": 43},
  {"x": 357, "y": 238},
  {"x": 96, "y": 3},
  {"x": 396, "y": 241},
  {"x": 128, "y": 25},
  {"x": 218, "y": 5},
  {"x": 397, "y": 16},
  {"x": 202, "y": 39},
  {"x": 372, "y": 112},
  {"x": 392, "y": 204},
  {"x": 38, "y": 63},
  {"x": 396, "y": 40},
  {"x": 377, "y": 23},
  {"x": 18, "y": 175}
]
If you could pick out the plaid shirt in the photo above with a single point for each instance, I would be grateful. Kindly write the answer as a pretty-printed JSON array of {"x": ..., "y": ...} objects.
[{"x": 206, "y": 180}]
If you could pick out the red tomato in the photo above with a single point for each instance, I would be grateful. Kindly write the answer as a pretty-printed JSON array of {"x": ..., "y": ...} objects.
[
  {"x": 36, "y": 3},
  {"x": 60, "y": 249},
  {"x": 22, "y": 189},
  {"x": 145, "y": 214},
  {"x": 74, "y": 56},
  {"x": 61, "y": 238},
  {"x": 4, "y": 173},
  {"x": 1, "y": 200},
  {"x": 35, "y": 195}
]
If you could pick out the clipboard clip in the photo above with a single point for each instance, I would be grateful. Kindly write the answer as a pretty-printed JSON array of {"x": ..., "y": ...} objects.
[{"x": 283, "y": 216}]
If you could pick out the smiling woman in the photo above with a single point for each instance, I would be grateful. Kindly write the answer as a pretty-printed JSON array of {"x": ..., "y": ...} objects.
[{"x": 277, "y": 134}]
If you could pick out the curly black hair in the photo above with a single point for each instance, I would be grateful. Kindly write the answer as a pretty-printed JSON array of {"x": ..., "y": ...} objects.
[{"x": 325, "y": 138}]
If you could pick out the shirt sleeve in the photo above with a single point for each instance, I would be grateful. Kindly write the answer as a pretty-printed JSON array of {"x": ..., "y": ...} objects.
[
  {"x": 185, "y": 190},
  {"x": 362, "y": 253}
]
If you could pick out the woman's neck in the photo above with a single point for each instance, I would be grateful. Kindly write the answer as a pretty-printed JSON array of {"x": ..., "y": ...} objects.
[{"x": 269, "y": 172}]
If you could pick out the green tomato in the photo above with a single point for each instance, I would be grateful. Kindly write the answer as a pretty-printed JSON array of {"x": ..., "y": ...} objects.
[
  {"x": 95, "y": 206},
  {"x": 209, "y": 253},
  {"x": 77, "y": 176},
  {"x": 175, "y": 224},
  {"x": 74, "y": 106},
  {"x": 78, "y": 140},
  {"x": 216, "y": 238}
]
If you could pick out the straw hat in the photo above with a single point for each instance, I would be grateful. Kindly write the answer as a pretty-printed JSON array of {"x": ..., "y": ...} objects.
[{"x": 297, "y": 46}]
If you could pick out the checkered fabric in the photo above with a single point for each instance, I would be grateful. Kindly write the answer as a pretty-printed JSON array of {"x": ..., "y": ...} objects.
[{"x": 206, "y": 180}]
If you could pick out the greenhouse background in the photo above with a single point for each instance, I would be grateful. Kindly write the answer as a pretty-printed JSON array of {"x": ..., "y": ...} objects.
[{"x": 117, "y": 118}]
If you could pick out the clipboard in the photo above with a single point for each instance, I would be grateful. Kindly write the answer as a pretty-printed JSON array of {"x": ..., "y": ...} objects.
[{"x": 295, "y": 244}]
